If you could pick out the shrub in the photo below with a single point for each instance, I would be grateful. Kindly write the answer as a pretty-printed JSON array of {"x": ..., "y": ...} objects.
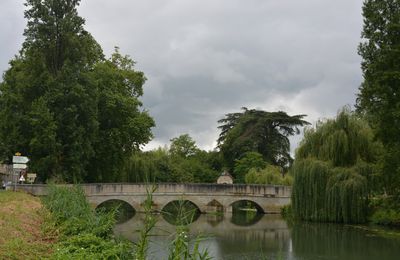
[{"x": 85, "y": 233}]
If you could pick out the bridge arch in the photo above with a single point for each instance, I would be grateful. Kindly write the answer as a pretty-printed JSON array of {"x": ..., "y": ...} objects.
[
  {"x": 124, "y": 212},
  {"x": 180, "y": 212},
  {"x": 113, "y": 201},
  {"x": 246, "y": 203},
  {"x": 134, "y": 202},
  {"x": 245, "y": 212}
]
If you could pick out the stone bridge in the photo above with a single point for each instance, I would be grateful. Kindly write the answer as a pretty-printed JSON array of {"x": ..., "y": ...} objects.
[{"x": 207, "y": 197}]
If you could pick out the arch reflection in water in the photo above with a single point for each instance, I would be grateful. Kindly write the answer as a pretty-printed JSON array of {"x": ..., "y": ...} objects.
[
  {"x": 124, "y": 211},
  {"x": 246, "y": 213},
  {"x": 180, "y": 212},
  {"x": 222, "y": 238}
]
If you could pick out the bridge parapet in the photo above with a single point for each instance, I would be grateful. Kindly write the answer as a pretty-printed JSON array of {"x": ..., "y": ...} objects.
[
  {"x": 166, "y": 188},
  {"x": 189, "y": 188}
]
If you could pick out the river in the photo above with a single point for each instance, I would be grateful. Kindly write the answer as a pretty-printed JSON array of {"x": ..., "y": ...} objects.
[{"x": 258, "y": 236}]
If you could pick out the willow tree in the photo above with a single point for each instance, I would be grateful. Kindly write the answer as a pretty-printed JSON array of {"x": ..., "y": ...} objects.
[{"x": 333, "y": 170}]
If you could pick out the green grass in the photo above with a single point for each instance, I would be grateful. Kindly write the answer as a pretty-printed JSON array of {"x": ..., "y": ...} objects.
[{"x": 21, "y": 218}]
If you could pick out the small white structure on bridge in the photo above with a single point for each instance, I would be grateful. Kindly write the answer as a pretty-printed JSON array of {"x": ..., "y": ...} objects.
[{"x": 225, "y": 178}]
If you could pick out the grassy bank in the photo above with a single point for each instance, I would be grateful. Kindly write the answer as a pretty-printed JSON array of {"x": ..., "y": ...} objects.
[
  {"x": 64, "y": 226},
  {"x": 21, "y": 227}
]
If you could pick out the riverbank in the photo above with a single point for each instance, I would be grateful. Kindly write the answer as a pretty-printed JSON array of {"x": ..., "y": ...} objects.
[{"x": 22, "y": 227}]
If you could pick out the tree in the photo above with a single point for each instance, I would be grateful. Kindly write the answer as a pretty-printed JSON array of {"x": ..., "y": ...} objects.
[
  {"x": 250, "y": 160},
  {"x": 379, "y": 96},
  {"x": 269, "y": 175},
  {"x": 122, "y": 126},
  {"x": 334, "y": 170},
  {"x": 259, "y": 131},
  {"x": 183, "y": 146},
  {"x": 64, "y": 105},
  {"x": 161, "y": 166}
]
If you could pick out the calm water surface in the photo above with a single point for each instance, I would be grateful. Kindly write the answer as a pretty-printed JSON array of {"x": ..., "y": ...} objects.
[{"x": 269, "y": 237}]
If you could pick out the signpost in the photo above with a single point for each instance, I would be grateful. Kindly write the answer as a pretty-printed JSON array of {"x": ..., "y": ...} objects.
[
  {"x": 20, "y": 159},
  {"x": 19, "y": 164}
]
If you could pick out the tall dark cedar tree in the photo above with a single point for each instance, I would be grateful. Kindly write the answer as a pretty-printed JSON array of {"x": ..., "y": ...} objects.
[
  {"x": 74, "y": 113},
  {"x": 379, "y": 96},
  {"x": 258, "y": 131}
]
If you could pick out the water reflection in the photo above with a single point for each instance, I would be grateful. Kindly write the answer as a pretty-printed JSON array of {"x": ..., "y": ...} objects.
[
  {"x": 332, "y": 241},
  {"x": 246, "y": 218},
  {"x": 269, "y": 237},
  {"x": 246, "y": 213},
  {"x": 180, "y": 212},
  {"x": 124, "y": 211}
]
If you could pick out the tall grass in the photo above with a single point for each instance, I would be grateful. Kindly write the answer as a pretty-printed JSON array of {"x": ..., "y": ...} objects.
[
  {"x": 141, "y": 247},
  {"x": 84, "y": 232},
  {"x": 87, "y": 234}
]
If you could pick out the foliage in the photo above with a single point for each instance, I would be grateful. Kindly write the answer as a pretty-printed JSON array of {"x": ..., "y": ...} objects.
[
  {"x": 90, "y": 246},
  {"x": 385, "y": 211},
  {"x": 287, "y": 213},
  {"x": 141, "y": 246},
  {"x": 386, "y": 217},
  {"x": 332, "y": 170},
  {"x": 169, "y": 165},
  {"x": 85, "y": 233},
  {"x": 74, "y": 113},
  {"x": 379, "y": 96},
  {"x": 258, "y": 131},
  {"x": 269, "y": 175},
  {"x": 180, "y": 247},
  {"x": 248, "y": 161},
  {"x": 183, "y": 146},
  {"x": 122, "y": 126}
]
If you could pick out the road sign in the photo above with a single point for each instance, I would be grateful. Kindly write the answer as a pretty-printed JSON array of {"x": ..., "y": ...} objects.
[
  {"x": 19, "y": 166},
  {"x": 20, "y": 159},
  {"x": 31, "y": 177}
]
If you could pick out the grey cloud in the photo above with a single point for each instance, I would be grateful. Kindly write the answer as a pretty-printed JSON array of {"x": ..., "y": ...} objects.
[{"x": 207, "y": 58}]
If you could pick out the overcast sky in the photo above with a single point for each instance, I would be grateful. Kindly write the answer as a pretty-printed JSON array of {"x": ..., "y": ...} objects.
[{"x": 206, "y": 58}]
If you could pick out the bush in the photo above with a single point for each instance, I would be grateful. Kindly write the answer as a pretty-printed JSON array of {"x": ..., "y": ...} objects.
[
  {"x": 385, "y": 211},
  {"x": 85, "y": 233},
  {"x": 386, "y": 217},
  {"x": 286, "y": 212},
  {"x": 90, "y": 246}
]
